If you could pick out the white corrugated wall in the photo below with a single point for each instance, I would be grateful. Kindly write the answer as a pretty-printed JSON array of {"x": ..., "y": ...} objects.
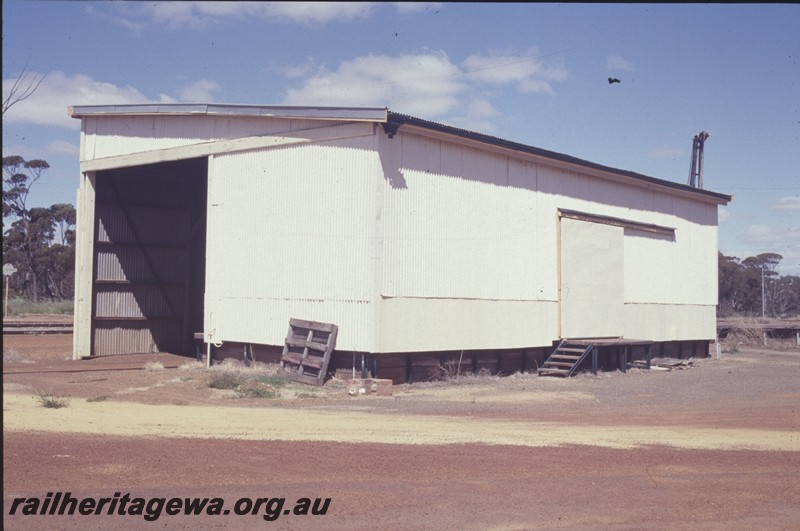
[
  {"x": 455, "y": 227},
  {"x": 471, "y": 250},
  {"x": 462, "y": 268},
  {"x": 291, "y": 233}
]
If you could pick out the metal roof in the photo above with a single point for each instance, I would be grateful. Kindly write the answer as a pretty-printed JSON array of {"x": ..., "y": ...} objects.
[
  {"x": 367, "y": 114},
  {"x": 396, "y": 120},
  {"x": 391, "y": 120}
]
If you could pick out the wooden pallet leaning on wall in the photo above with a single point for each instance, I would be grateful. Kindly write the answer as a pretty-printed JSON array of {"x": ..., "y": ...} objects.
[{"x": 307, "y": 351}]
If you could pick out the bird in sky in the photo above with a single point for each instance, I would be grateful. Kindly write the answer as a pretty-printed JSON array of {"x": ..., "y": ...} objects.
[{"x": 613, "y": 80}]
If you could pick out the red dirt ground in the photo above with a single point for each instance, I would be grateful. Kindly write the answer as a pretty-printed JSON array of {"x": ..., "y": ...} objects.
[{"x": 711, "y": 447}]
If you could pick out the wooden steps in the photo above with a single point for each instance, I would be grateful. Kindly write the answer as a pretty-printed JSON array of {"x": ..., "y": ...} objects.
[{"x": 565, "y": 359}]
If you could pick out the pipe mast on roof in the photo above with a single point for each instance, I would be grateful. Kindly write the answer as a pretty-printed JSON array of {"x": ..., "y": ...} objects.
[{"x": 696, "y": 171}]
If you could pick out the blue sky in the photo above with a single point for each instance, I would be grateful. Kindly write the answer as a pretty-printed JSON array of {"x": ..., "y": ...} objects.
[{"x": 532, "y": 73}]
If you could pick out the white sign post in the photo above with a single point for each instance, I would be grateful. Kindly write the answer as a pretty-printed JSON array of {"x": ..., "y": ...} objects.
[{"x": 8, "y": 270}]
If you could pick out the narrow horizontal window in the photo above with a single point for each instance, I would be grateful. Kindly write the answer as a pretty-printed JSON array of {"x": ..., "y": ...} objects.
[{"x": 616, "y": 222}]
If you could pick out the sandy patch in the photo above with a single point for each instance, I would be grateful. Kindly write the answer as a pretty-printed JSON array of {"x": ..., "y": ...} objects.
[
  {"x": 486, "y": 394},
  {"x": 23, "y": 413},
  {"x": 11, "y": 387}
]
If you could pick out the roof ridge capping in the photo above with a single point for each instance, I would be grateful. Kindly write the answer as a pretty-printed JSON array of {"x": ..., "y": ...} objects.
[{"x": 365, "y": 114}]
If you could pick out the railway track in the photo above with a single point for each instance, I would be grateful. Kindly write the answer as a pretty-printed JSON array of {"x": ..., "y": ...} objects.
[{"x": 36, "y": 327}]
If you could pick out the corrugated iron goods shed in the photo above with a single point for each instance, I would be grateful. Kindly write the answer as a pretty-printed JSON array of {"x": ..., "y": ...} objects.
[{"x": 410, "y": 235}]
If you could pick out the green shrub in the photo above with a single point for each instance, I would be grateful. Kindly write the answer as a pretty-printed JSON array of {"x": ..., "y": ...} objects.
[
  {"x": 274, "y": 380},
  {"x": 305, "y": 395},
  {"x": 225, "y": 380},
  {"x": 733, "y": 349},
  {"x": 255, "y": 390}
]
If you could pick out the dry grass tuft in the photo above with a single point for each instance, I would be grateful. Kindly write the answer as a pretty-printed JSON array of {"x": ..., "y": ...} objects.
[
  {"x": 454, "y": 373},
  {"x": 745, "y": 331},
  {"x": 51, "y": 400},
  {"x": 258, "y": 381},
  {"x": 224, "y": 380},
  {"x": 191, "y": 366},
  {"x": 255, "y": 389},
  {"x": 99, "y": 398},
  {"x": 13, "y": 355}
]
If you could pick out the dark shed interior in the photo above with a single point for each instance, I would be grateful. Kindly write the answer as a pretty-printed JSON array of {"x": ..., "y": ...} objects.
[{"x": 149, "y": 258}]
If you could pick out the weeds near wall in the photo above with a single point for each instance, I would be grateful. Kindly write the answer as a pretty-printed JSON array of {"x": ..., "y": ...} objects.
[
  {"x": 273, "y": 380},
  {"x": 257, "y": 390},
  {"x": 192, "y": 366},
  {"x": 445, "y": 372},
  {"x": 733, "y": 349},
  {"x": 305, "y": 395},
  {"x": 225, "y": 380},
  {"x": 248, "y": 383},
  {"x": 448, "y": 372}
]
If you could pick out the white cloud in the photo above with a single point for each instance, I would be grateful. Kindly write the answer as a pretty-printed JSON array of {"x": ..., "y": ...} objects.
[
  {"x": 791, "y": 202},
  {"x": 198, "y": 15},
  {"x": 615, "y": 63},
  {"x": 666, "y": 152},
  {"x": 25, "y": 151},
  {"x": 527, "y": 71},
  {"x": 426, "y": 84},
  {"x": 48, "y": 105},
  {"x": 784, "y": 241},
  {"x": 318, "y": 12},
  {"x": 302, "y": 70},
  {"x": 481, "y": 108},
  {"x": 764, "y": 238},
  {"x": 138, "y": 16},
  {"x": 410, "y": 8},
  {"x": 62, "y": 147},
  {"x": 175, "y": 14},
  {"x": 761, "y": 233},
  {"x": 478, "y": 116},
  {"x": 724, "y": 215},
  {"x": 121, "y": 13},
  {"x": 199, "y": 92}
]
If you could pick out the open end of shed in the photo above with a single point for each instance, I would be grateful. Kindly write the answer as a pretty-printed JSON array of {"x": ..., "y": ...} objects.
[{"x": 149, "y": 264}]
